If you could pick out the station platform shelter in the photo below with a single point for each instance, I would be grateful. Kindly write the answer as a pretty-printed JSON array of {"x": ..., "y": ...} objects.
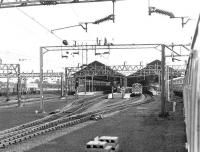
[{"x": 95, "y": 76}]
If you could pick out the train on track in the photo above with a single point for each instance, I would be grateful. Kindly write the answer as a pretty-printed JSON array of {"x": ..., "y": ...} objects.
[
  {"x": 176, "y": 84},
  {"x": 191, "y": 94},
  {"x": 62, "y": 119},
  {"x": 136, "y": 89},
  {"x": 83, "y": 85}
]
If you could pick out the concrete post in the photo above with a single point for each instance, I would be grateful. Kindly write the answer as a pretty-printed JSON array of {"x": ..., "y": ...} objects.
[
  {"x": 125, "y": 82},
  {"x": 92, "y": 83},
  {"x": 121, "y": 83},
  {"x": 61, "y": 85},
  {"x": 85, "y": 85},
  {"x": 66, "y": 83},
  {"x": 7, "y": 87},
  {"x": 167, "y": 84},
  {"x": 19, "y": 86},
  {"x": 112, "y": 92},
  {"x": 41, "y": 82},
  {"x": 163, "y": 93}
]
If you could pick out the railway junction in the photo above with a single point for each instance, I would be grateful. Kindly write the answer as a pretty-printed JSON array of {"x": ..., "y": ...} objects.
[
  {"x": 136, "y": 124},
  {"x": 65, "y": 118},
  {"x": 139, "y": 106}
]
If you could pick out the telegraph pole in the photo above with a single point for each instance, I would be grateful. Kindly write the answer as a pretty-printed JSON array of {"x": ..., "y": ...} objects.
[{"x": 163, "y": 92}]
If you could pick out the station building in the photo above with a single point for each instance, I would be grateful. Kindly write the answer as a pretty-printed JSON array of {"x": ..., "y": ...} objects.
[
  {"x": 93, "y": 77},
  {"x": 150, "y": 76}
]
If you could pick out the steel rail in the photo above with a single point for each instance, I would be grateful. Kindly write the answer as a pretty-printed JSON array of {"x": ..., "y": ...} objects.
[
  {"x": 60, "y": 123},
  {"x": 42, "y": 120},
  {"x": 61, "y": 114},
  {"x": 44, "y": 125},
  {"x": 28, "y": 100}
]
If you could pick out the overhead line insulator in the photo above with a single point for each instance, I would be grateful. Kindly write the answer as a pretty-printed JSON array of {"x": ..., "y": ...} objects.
[
  {"x": 48, "y": 2},
  {"x": 170, "y": 14},
  {"x": 160, "y": 11},
  {"x": 109, "y": 17}
]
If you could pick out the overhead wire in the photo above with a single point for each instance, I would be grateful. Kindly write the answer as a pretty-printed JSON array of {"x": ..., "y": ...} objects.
[
  {"x": 40, "y": 24},
  {"x": 76, "y": 14},
  {"x": 43, "y": 26}
]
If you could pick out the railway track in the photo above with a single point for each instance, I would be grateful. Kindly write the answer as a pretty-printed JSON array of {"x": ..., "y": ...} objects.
[
  {"x": 27, "y": 101},
  {"x": 62, "y": 113},
  {"x": 60, "y": 120},
  {"x": 51, "y": 118}
]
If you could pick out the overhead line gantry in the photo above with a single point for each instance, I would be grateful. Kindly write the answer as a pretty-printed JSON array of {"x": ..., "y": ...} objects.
[
  {"x": 109, "y": 46},
  {"x": 25, "y": 3}
]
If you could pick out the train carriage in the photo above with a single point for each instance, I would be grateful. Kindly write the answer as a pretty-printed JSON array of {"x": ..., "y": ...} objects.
[
  {"x": 83, "y": 85},
  {"x": 191, "y": 94},
  {"x": 136, "y": 89},
  {"x": 176, "y": 85}
]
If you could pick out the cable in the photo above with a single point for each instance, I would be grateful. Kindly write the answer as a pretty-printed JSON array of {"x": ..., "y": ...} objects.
[
  {"x": 77, "y": 16},
  {"x": 41, "y": 25}
]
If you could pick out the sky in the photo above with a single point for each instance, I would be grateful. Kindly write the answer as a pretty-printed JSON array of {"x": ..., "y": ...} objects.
[{"x": 25, "y": 30}]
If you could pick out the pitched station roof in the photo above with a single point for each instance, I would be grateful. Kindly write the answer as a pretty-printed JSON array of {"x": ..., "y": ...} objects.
[
  {"x": 153, "y": 68},
  {"x": 97, "y": 68}
]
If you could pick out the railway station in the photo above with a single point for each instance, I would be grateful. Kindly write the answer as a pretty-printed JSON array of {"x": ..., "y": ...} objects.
[{"x": 99, "y": 76}]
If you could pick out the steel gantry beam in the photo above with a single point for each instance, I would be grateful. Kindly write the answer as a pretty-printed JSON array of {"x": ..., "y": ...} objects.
[
  {"x": 5, "y": 68},
  {"x": 13, "y": 71},
  {"x": 25, "y": 3},
  {"x": 53, "y": 74},
  {"x": 106, "y": 46},
  {"x": 30, "y": 75},
  {"x": 111, "y": 46}
]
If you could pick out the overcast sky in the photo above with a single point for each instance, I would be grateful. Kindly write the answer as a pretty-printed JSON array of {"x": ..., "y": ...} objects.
[{"x": 21, "y": 37}]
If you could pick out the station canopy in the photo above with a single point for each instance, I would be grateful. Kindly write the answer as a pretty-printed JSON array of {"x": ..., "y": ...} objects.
[
  {"x": 98, "y": 71},
  {"x": 154, "y": 68}
]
